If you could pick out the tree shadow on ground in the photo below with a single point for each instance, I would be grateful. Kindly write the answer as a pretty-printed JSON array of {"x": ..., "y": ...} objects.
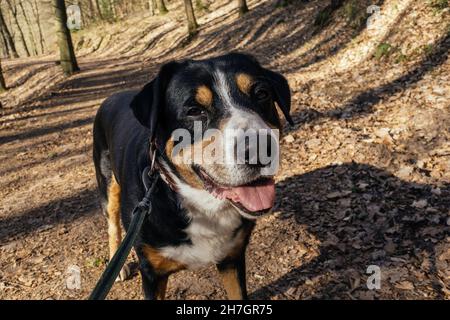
[
  {"x": 70, "y": 124},
  {"x": 334, "y": 40},
  {"x": 256, "y": 33},
  {"x": 363, "y": 103},
  {"x": 89, "y": 86},
  {"x": 21, "y": 63},
  {"x": 363, "y": 216},
  {"x": 60, "y": 211},
  {"x": 20, "y": 81},
  {"x": 45, "y": 114},
  {"x": 253, "y": 33},
  {"x": 66, "y": 155},
  {"x": 82, "y": 89}
]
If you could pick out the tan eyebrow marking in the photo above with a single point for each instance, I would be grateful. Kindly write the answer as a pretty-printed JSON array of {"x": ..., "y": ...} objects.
[
  {"x": 244, "y": 82},
  {"x": 204, "y": 96}
]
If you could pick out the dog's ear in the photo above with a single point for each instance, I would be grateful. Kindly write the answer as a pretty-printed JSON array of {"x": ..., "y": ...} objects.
[
  {"x": 282, "y": 93},
  {"x": 279, "y": 84},
  {"x": 148, "y": 103}
]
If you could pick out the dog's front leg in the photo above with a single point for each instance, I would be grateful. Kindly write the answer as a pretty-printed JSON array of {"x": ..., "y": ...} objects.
[
  {"x": 153, "y": 285},
  {"x": 233, "y": 277}
]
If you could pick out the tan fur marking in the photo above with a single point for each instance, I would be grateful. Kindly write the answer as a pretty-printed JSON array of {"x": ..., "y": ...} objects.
[
  {"x": 279, "y": 127},
  {"x": 161, "y": 264},
  {"x": 230, "y": 276},
  {"x": 184, "y": 169},
  {"x": 204, "y": 96},
  {"x": 230, "y": 281},
  {"x": 113, "y": 210},
  {"x": 244, "y": 82}
]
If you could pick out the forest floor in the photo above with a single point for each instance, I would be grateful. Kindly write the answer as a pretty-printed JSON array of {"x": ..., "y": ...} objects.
[{"x": 365, "y": 172}]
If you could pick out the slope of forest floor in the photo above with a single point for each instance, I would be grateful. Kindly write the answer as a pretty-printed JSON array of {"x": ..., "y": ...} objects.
[{"x": 365, "y": 173}]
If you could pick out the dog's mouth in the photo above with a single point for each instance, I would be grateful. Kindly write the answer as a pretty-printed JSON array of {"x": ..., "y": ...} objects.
[{"x": 255, "y": 198}]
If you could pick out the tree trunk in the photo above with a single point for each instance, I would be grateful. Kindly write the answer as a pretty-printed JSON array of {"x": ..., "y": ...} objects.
[
  {"x": 336, "y": 3},
  {"x": 9, "y": 39},
  {"x": 243, "y": 9},
  {"x": 35, "y": 9},
  {"x": 2, "y": 81},
  {"x": 152, "y": 7},
  {"x": 192, "y": 23},
  {"x": 162, "y": 7},
  {"x": 112, "y": 5},
  {"x": 144, "y": 5},
  {"x": 99, "y": 9},
  {"x": 5, "y": 49},
  {"x": 30, "y": 31},
  {"x": 22, "y": 37},
  {"x": 93, "y": 6},
  {"x": 67, "y": 55}
]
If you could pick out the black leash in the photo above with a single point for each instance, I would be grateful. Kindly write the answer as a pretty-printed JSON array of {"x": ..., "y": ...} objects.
[{"x": 143, "y": 208}]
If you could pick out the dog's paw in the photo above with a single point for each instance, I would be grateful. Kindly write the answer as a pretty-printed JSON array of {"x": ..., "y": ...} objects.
[{"x": 124, "y": 274}]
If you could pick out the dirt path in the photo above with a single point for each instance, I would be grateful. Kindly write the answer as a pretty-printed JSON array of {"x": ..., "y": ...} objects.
[{"x": 365, "y": 176}]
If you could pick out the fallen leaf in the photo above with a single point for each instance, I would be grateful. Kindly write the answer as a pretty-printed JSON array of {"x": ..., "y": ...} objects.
[
  {"x": 420, "y": 204},
  {"x": 404, "y": 285}
]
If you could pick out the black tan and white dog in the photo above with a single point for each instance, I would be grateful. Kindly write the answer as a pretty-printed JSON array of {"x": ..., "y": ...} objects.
[{"x": 202, "y": 213}]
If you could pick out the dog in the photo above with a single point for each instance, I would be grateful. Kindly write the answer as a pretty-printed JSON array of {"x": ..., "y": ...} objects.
[{"x": 201, "y": 213}]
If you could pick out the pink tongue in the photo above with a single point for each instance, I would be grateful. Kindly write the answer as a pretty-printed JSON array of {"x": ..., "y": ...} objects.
[{"x": 253, "y": 198}]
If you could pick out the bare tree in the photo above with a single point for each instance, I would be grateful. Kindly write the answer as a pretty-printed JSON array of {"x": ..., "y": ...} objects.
[
  {"x": 243, "y": 9},
  {"x": 4, "y": 45},
  {"x": 99, "y": 9},
  {"x": 152, "y": 7},
  {"x": 67, "y": 55},
  {"x": 30, "y": 31},
  {"x": 13, "y": 8},
  {"x": 112, "y": 5},
  {"x": 3, "y": 87},
  {"x": 162, "y": 7},
  {"x": 192, "y": 22},
  {"x": 35, "y": 9},
  {"x": 93, "y": 6},
  {"x": 7, "y": 34}
]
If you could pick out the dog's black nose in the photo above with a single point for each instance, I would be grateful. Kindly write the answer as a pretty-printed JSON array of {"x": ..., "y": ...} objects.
[{"x": 258, "y": 152}]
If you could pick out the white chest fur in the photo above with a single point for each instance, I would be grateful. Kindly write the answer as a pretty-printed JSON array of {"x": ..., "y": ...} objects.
[{"x": 212, "y": 229}]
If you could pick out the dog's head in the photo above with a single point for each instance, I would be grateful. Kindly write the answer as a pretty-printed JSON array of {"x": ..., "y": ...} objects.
[{"x": 215, "y": 123}]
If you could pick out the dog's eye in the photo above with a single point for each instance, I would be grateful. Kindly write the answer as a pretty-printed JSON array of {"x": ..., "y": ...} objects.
[
  {"x": 195, "y": 112},
  {"x": 261, "y": 93}
]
